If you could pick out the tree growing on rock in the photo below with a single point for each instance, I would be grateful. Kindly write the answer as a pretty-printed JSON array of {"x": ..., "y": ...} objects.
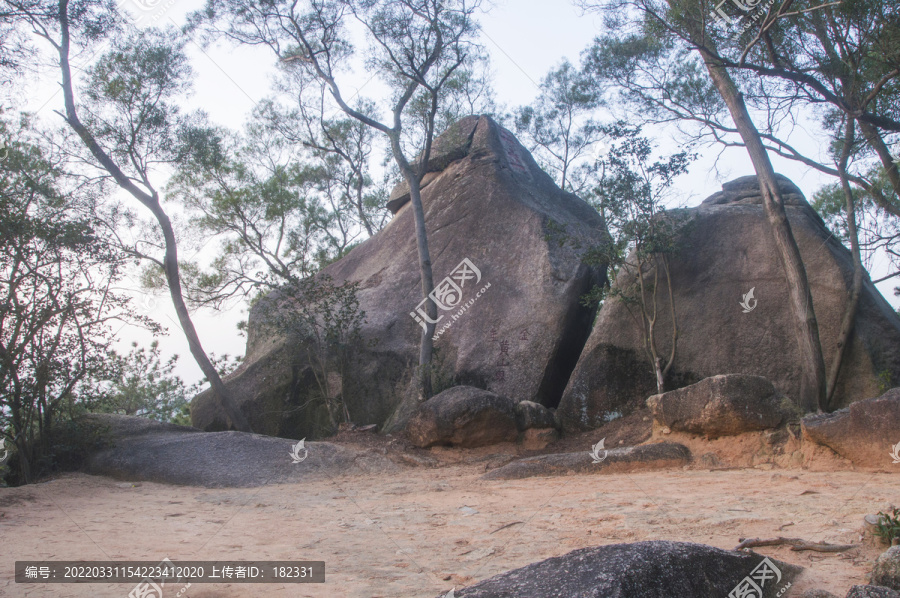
[
  {"x": 631, "y": 193},
  {"x": 417, "y": 47},
  {"x": 653, "y": 37}
]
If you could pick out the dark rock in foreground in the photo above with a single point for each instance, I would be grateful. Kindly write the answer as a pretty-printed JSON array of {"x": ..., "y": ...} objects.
[
  {"x": 720, "y": 406},
  {"x": 657, "y": 569},
  {"x": 886, "y": 571},
  {"x": 872, "y": 592},
  {"x": 865, "y": 433},
  {"x": 463, "y": 416},
  {"x": 644, "y": 457},
  {"x": 143, "y": 450}
]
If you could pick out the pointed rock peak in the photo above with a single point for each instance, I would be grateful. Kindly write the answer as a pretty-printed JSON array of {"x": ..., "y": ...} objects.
[
  {"x": 476, "y": 136},
  {"x": 745, "y": 191}
]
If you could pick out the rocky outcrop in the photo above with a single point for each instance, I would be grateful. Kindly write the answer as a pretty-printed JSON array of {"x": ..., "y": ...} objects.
[
  {"x": 720, "y": 406},
  {"x": 463, "y": 416},
  {"x": 865, "y": 433},
  {"x": 662, "y": 455},
  {"x": 143, "y": 450},
  {"x": 655, "y": 569},
  {"x": 513, "y": 323},
  {"x": 886, "y": 571},
  {"x": 727, "y": 251}
]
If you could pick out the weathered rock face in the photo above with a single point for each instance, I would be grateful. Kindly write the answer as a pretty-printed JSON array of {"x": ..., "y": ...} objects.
[
  {"x": 887, "y": 569},
  {"x": 656, "y": 569},
  {"x": 865, "y": 432},
  {"x": 463, "y": 416},
  {"x": 729, "y": 250},
  {"x": 533, "y": 415},
  {"x": 720, "y": 406},
  {"x": 513, "y": 324}
]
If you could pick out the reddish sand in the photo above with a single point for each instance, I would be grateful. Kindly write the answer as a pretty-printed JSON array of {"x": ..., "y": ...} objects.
[{"x": 422, "y": 532}]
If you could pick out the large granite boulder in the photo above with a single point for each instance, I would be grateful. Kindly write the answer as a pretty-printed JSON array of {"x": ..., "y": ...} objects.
[
  {"x": 463, "y": 416},
  {"x": 865, "y": 433},
  {"x": 513, "y": 323},
  {"x": 720, "y": 406},
  {"x": 653, "y": 569},
  {"x": 728, "y": 251}
]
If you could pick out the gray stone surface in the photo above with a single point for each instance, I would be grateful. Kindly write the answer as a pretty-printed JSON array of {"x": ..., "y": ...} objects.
[
  {"x": 871, "y": 592},
  {"x": 886, "y": 571},
  {"x": 728, "y": 251},
  {"x": 141, "y": 450},
  {"x": 463, "y": 416},
  {"x": 720, "y": 406},
  {"x": 644, "y": 457},
  {"x": 655, "y": 569},
  {"x": 520, "y": 338},
  {"x": 533, "y": 415},
  {"x": 865, "y": 432}
]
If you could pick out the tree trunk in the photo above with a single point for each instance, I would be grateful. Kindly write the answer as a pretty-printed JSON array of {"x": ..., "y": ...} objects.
[
  {"x": 170, "y": 263},
  {"x": 849, "y": 318},
  {"x": 891, "y": 169},
  {"x": 173, "y": 278},
  {"x": 812, "y": 385},
  {"x": 426, "y": 345}
]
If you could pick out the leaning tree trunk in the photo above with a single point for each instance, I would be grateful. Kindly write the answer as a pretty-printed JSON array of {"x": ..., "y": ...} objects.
[
  {"x": 151, "y": 202},
  {"x": 812, "y": 383},
  {"x": 849, "y": 318}
]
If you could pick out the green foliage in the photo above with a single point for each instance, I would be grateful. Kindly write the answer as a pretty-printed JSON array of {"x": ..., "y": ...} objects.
[
  {"x": 324, "y": 319},
  {"x": 888, "y": 526},
  {"x": 885, "y": 381},
  {"x": 143, "y": 384},
  {"x": 559, "y": 126},
  {"x": 58, "y": 271}
]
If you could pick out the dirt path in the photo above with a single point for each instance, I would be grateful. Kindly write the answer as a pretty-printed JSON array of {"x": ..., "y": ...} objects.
[{"x": 428, "y": 530}]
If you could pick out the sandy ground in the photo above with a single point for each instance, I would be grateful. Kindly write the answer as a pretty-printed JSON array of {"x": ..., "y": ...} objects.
[{"x": 428, "y": 530}]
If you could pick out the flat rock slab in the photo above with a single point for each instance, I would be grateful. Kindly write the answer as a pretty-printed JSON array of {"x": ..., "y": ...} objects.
[
  {"x": 656, "y": 569},
  {"x": 143, "y": 450},
  {"x": 644, "y": 457}
]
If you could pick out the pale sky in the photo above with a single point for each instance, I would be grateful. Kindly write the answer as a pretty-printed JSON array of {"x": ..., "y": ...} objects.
[{"x": 525, "y": 38}]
